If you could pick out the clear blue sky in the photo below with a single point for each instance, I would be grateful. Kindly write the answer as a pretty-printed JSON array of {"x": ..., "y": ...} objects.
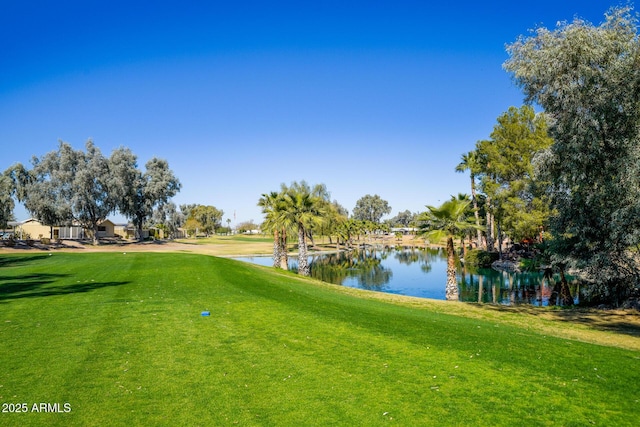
[{"x": 371, "y": 97}]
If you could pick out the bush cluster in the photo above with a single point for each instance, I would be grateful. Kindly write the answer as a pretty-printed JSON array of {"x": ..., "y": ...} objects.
[{"x": 479, "y": 258}]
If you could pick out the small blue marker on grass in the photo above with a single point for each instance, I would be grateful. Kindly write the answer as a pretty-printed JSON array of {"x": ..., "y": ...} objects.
[{"x": 205, "y": 313}]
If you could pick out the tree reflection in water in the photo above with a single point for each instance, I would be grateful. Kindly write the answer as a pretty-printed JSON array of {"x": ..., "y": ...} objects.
[
  {"x": 364, "y": 265},
  {"x": 491, "y": 286},
  {"x": 421, "y": 272}
]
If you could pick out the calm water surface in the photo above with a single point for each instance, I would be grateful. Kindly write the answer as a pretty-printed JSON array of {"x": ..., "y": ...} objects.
[{"x": 422, "y": 273}]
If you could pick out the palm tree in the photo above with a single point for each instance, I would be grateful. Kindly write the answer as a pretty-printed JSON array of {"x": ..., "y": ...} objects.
[
  {"x": 448, "y": 221},
  {"x": 467, "y": 232},
  {"x": 297, "y": 208},
  {"x": 302, "y": 209},
  {"x": 469, "y": 162},
  {"x": 345, "y": 230},
  {"x": 273, "y": 205}
]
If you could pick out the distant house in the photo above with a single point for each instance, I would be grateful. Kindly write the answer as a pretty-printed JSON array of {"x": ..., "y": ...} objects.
[
  {"x": 160, "y": 233},
  {"x": 106, "y": 229},
  {"x": 404, "y": 230},
  {"x": 69, "y": 232},
  {"x": 31, "y": 229},
  {"x": 254, "y": 231},
  {"x": 128, "y": 231},
  {"x": 34, "y": 229},
  {"x": 122, "y": 230}
]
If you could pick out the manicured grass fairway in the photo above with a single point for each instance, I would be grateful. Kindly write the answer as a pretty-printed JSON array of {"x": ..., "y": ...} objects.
[{"x": 121, "y": 339}]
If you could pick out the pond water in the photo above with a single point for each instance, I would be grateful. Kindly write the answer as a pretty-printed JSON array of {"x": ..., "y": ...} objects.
[{"x": 422, "y": 273}]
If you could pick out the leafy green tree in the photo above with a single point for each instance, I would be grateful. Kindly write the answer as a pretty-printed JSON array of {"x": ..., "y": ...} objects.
[
  {"x": 192, "y": 226},
  {"x": 332, "y": 215},
  {"x": 340, "y": 210},
  {"x": 169, "y": 218},
  {"x": 371, "y": 208},
  {"x": 403, "y": 219},
  {"x": 187, "y": 208},
  {"x": 42, "y": 188},
  {"x": 140, "y": 192},
  {"x": 505, "y": 164},
  {"x": 92, "y": 198},
  {"x": 85, "y": 187},
  {"x": 37, "y": 190},
  {"x": 208, "y": 217},
  {"x": 68, "y": 184},
  {"x": 588, "y": 79},
  {"x": 6, "y": 201},
  {"x": 447, "y": 222}
]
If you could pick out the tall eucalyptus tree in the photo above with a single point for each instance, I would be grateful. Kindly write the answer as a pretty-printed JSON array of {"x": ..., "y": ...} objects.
[
  {"x": 140, "y": 192},
  {"x": 169, "y": 218},
  {"x": 6, "y": 201},
  {"x": 587, "y": 78},
  {"x": 90, "y": 188},
  {"x": 371, "y": 208},
  {"x": 68, "y": 185},
  {"x": 85, "y": 187},
  {"x": 39, "y": 189}
]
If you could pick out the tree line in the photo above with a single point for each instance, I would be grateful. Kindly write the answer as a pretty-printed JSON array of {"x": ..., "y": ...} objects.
[
  {"x": 302, "y": 211},
  {"x": 68, "y": 186},
  {"x": 568, "y": 178},
  {"x": 83, "y": 187},
  {"x": 505, "y": 190}
]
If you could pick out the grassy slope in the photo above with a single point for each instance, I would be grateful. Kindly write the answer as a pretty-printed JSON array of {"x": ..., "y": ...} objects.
[{"x": 120, "y": 337}]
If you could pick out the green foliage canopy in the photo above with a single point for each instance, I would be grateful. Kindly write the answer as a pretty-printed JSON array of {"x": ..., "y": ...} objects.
[
  {"x": 6, "y": 201},
  {"x": 68, "y": 185},
  {"x": 298, "y": 208},
  {"x": 371, "y": 208},
  {"x": 206, "y": 218},
  {"x": 505, "y": 164},
  {"x": 140, "y": 192},
  {"x": 587, "y": 78}
]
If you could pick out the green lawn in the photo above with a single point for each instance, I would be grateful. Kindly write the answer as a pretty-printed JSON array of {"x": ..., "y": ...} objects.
[{"x": 120, "y": 339}]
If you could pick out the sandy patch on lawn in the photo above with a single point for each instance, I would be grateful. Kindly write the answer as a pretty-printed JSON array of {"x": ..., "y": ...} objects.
[{"x": 148, "y": 246}]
